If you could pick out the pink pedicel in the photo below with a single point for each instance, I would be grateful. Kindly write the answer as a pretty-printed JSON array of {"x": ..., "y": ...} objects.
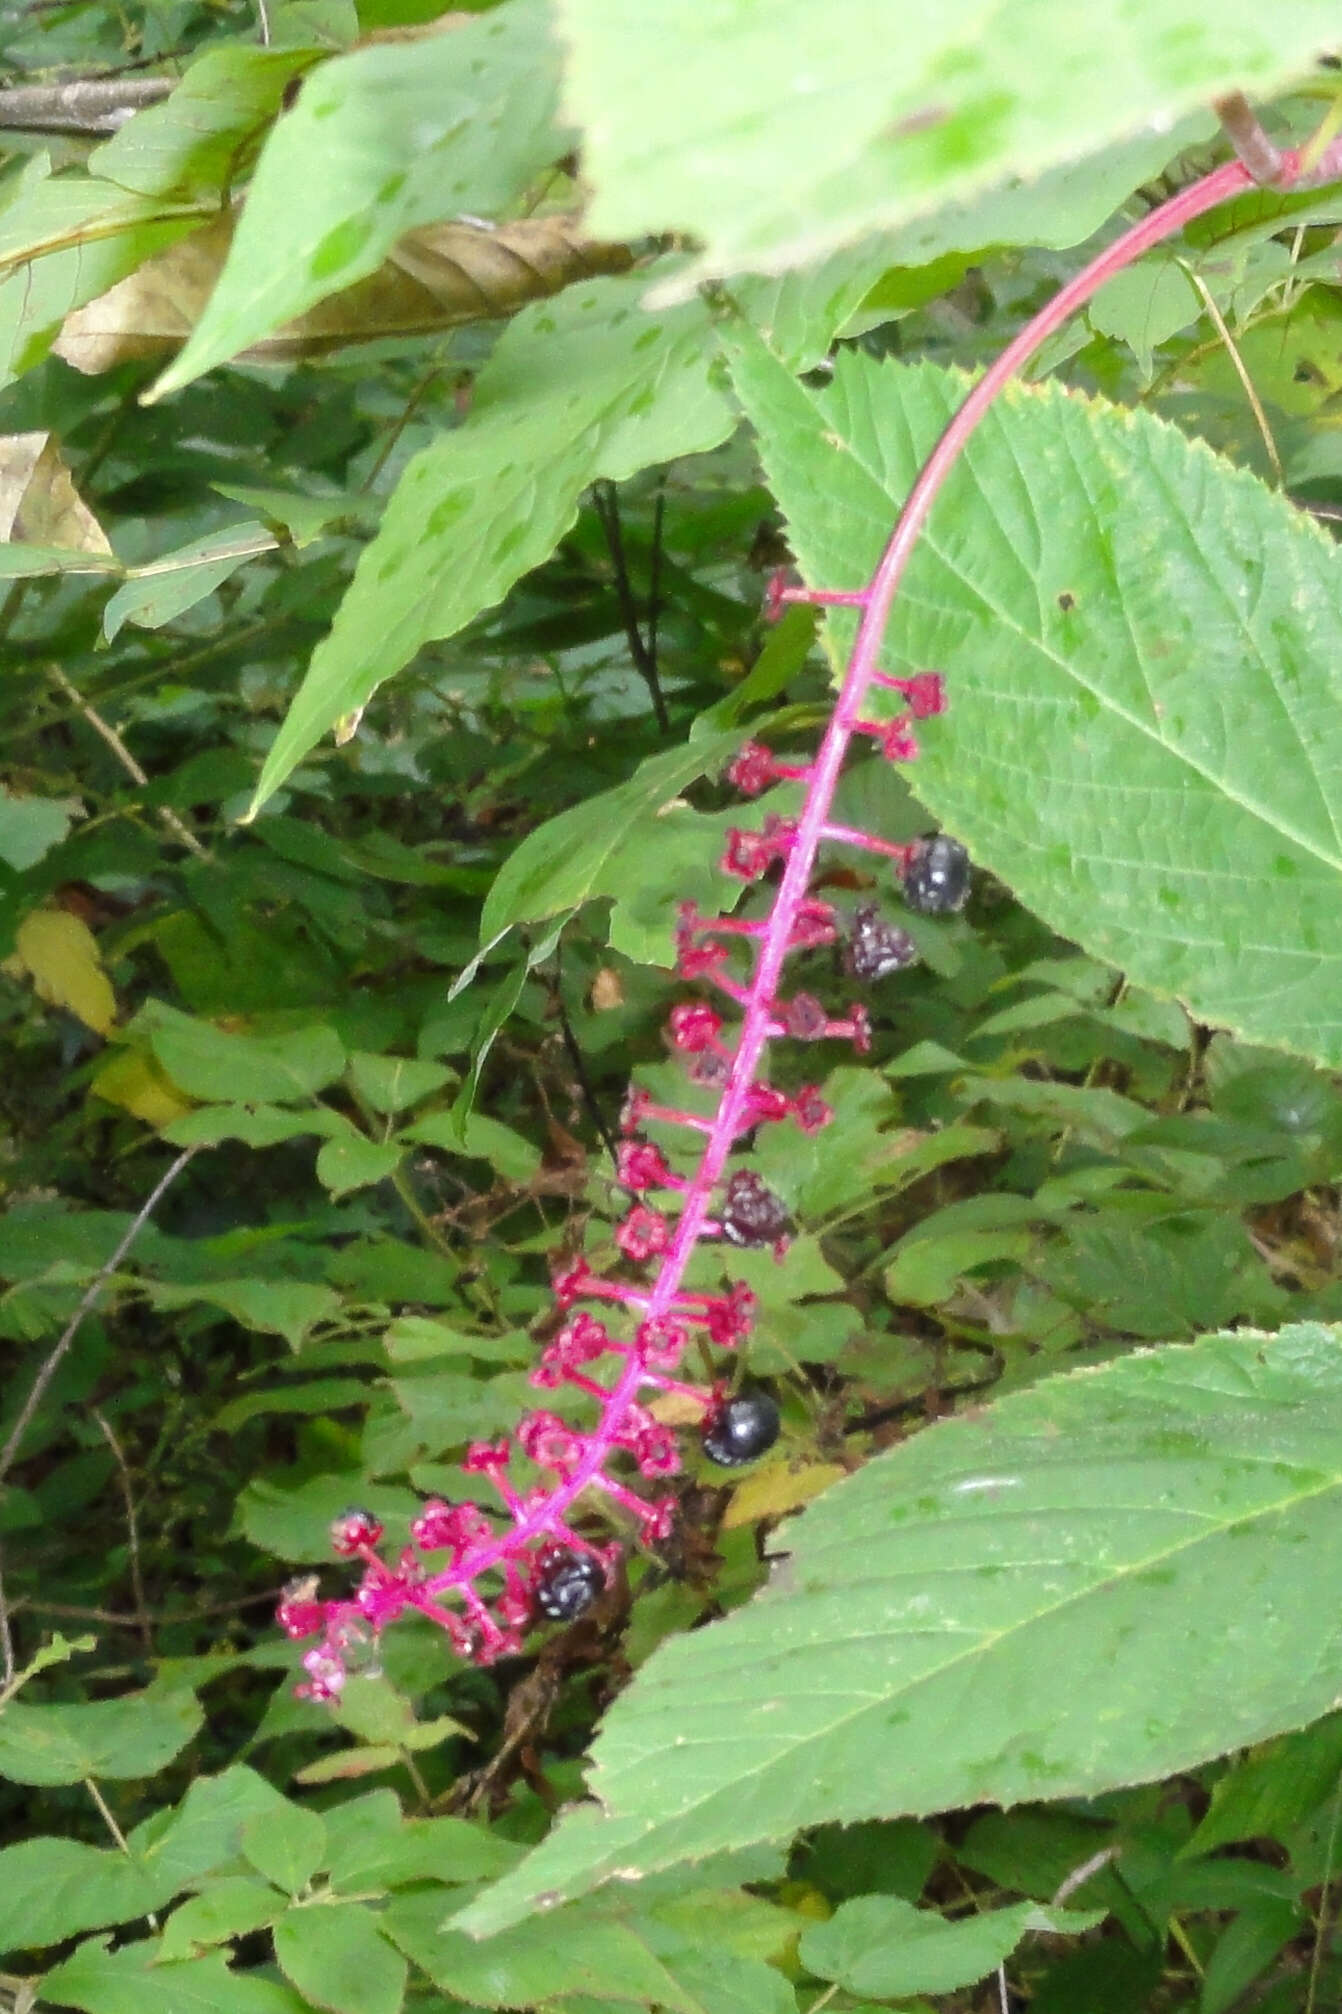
[{"x": 486, "y": 1574}]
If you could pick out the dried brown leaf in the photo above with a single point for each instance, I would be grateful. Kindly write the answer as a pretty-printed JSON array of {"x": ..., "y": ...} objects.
[
  {"x": 437, "y": 277},
  {"x": 39, "y": 504}
]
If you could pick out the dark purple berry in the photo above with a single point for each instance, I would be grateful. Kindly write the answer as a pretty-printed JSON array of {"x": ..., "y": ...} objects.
[
  {"x": 570, "y": 1584},
  {"x": 936, "y": 880},
  {"x": 751, "y": 1213},
  {"x": 741, "y": 1430},
  {"x": 876, "y": 948}
]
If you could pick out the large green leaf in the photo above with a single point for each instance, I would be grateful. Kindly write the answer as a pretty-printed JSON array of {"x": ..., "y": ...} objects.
[
  {"x": 131, "y": 1980},
  {"x": 198, "y": 138},
  {"x": 1143, "y": 736},
  {"x": 338, "y": 1959},
  {"x": 128, "y": 1737},
  {"x": 588, "y": 385},
  {"x": 379, "y": 142},
  {"x": 584, "y": 386},
  {"x": 773, "y": 133},
  {"x": 1112, "y": 1576},
  {"x": 586, "y": 851},
  {"x": 880, "y": 1946}
]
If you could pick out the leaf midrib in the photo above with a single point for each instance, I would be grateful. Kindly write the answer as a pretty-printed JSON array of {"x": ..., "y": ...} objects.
[{"x": 983, "y": 1644}]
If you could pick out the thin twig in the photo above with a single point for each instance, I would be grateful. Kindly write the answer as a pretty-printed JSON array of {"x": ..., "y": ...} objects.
[
  {"x": 1320, "y": 1931},
  {"x": 142, "y": 1621},
  {"x": 263, "y": 23},
  {"x": 1244, "y": 131},
  {"x": 126, "y": 759},
  {"x": 93, "y": 105},
  {"x": 7, "y": 1665},
  {"x": 1218, "y": 322},
  {"x": 87, "y": 1299},
  {"x": 109, "y": 1820},
  {"x": 578, "y": 1064},
  {"x": 1079, "y": 1876},
  {"x": 655, "y": 570},
  {"x": 608, "y": 515},
  {"x": 1003, "y": 1997}
]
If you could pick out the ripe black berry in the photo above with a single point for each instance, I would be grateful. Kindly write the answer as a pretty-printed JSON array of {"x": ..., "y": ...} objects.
[
  {"x": 936, "y": 880},
  {"x": 741, "y": 1430},
  {"x": 751, "y": 1213},
  {"x": 571, "y": 1583},
  {"x": 876, "y": 948}
]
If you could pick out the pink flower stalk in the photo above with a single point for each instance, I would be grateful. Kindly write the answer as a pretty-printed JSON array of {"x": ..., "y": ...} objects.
[{"x": 485, "y": 1574}]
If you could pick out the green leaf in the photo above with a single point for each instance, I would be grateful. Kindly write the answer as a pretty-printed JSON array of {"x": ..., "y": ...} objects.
[
  {"x": 254, "y": 1125},
  {"x": 481, "y": 1138},
  {"x": 338, "y": 1959},
  {"x": 133, "y": 1980},
  {"x": 117, "y": 1738},
  {"x": 1274, "y": 1790},
  {"x": 195, "y": 140},
  {"x": 287, "y": 1845},
  {"x": 288, "y": 1308},
  {"x": 30, "y": 562},
  {"x": 789, "y": 130},
  {"x": 379, "y": 142},
  {"x": 1149, "y": 752},
  {"x": 64, "y": 240},
  {"x": 294, "y": 1523},
  {"x": 54, "y": 1888},
  {"x": 886, "y": 1949},
  {"x": 227, "y": 1909},
  {"x": 322, "y": 1395},
  {"x": 1100, "y": 1580},
  {"x": 571, "y": 1951},
  {"x": 208, "y": 1062},
  {"x": 29, "y": 828},
  {"x": 1245, "y": 1949},
  {"x": 372, "y": 1846},
  {"x": 373, "y": 1710},
  {"x": 589, "y": 384},
  {"x": 154, "y": 593},
  {"x": 577, "y": 856},
  {"x": 389, "y": 1083},
  {"x": 205, "y": 1830},
  {"x": 352, "y": 1162}
]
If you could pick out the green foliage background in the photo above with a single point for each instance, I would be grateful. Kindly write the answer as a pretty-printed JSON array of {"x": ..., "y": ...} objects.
[{"x": 398, "y": 431}]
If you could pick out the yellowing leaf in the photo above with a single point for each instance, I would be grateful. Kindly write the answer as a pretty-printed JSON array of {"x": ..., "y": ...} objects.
[
  {"x": 135, "y": 1082},
  {"x": 60, "y": 955},
  {"x": 777, "y": 1488}
]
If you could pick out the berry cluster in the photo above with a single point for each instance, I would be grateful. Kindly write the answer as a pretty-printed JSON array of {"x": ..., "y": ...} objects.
[{"x": 487, "y": 1571}]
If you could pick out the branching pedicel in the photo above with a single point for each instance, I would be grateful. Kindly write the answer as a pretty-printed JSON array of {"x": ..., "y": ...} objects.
[{"x": 484, "y": 1574}]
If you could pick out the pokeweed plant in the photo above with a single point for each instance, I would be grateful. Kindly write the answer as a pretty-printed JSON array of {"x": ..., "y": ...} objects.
[
  {"x": 1090, "y": 1582},
  {"x": 526, "y": 1557}
]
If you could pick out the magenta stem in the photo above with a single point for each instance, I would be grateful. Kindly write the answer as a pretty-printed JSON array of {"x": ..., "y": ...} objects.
[{"x": 875, "y": 601}]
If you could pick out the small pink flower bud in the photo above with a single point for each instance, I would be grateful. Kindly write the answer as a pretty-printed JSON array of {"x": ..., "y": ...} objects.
[
  {"x": 643, "y": 1234},
  {"x": 693, "y": 1027}
]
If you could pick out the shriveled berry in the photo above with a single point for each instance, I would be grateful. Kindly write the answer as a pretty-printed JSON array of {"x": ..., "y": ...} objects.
[
  {"x": 876, "y": 948},
  {"x": 936, "y": 879},
  {"x": 751, "y": 1214},
  {"x": 570, "y": 1584},
  {"x": 741, "y": 1430},
  {"x": 354, "y": 1530}
]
